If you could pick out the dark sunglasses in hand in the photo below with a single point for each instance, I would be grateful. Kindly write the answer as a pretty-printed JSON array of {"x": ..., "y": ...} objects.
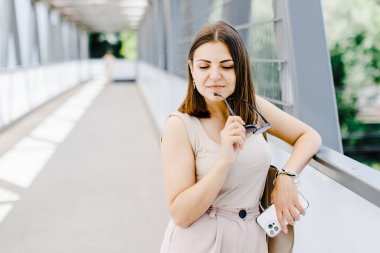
[{"x": 249, "y": 128}]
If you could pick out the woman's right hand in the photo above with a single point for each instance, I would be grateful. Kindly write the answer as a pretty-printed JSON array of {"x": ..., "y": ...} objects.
[{"x": 232, "y": 139}]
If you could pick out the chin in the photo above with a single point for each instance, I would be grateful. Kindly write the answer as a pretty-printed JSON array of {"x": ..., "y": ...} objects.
[{"x": 212, "y": 98}]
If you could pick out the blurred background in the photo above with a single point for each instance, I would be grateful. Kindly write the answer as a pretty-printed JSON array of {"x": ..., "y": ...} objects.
[
  {"x": 354, "y": 43},
  {"x": 86, "y": 86}
]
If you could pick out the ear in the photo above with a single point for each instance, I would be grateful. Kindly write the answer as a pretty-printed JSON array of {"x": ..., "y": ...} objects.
[{"x": 190, "y": 63}]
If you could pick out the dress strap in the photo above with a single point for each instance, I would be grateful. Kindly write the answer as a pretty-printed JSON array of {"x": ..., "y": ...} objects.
[{"x": 191, "y": 128}]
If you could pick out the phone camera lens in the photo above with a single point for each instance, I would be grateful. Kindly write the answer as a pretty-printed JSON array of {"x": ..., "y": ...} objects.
[
  {"x": 270, "y": 226},
  {"x": 271, "y": 232},
  {"x": 276, "y": 228}
]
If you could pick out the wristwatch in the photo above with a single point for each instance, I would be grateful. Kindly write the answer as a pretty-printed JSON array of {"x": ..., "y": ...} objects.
[{"x": 287, "y": 172}]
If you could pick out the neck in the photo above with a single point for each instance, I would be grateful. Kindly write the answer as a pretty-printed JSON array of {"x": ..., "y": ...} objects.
[{"x": 218, "y": 110}]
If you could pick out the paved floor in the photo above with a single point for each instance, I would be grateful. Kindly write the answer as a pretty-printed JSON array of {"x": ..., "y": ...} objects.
[{"x": 102, "y": 189}]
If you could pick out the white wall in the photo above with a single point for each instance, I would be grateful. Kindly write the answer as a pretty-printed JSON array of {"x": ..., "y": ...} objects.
[
  {"x": 163, "y": 92},
  {"x": 24, "y": 89}
]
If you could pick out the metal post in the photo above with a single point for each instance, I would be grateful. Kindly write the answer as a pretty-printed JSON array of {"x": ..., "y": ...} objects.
[
  {"x": 35, "y": 53},
  {"x": 238, "y": 12},
  {"x": 4, "y": 32},
  {"x": 14, "y": 31},
  {"x": 309, "y": 67}
]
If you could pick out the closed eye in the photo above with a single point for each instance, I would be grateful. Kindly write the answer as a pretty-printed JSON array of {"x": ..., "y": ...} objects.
[{"x": 224, "y": 67}]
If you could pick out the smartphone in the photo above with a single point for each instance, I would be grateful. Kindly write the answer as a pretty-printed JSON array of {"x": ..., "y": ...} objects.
[{"x": 268, "y": 219}]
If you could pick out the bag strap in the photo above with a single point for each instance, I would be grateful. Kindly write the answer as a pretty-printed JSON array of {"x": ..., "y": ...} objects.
[{"x": 266, "y": 187}]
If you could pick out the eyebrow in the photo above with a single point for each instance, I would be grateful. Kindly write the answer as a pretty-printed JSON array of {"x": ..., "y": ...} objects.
[{"x": 226, "y": 60}]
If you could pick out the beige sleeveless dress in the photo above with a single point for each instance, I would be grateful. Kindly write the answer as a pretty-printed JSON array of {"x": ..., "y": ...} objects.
[{"x": 221, "y": 229}]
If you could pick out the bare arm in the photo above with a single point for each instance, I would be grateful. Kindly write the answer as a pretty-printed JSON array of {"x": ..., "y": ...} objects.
[
  {"x": 187, "y": 199},
  {"x": 305, "y": 141}
]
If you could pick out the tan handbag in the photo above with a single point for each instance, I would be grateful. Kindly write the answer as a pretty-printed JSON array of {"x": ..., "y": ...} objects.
[{"x": 282, "y": 243}]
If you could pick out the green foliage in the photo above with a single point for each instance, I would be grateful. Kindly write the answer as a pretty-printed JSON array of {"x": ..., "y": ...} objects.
[
  {"x": 354, "y": 40},
  {"x": 352, "y": 29},
  {"x": 129, "y": 44},
  {"x": 347, "y": 113},
  {"x": 347, "y": 102},
  {"x": 101, "y": 43},
  {"x": 337, "y": 65}
]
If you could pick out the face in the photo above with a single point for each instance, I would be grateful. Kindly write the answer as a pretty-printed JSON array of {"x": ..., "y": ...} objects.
[{"x": 213, "y": 71}]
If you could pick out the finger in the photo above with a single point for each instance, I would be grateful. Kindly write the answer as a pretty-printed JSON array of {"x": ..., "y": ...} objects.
[
  {"x": 239, "y": 140},
  {"x": 237, "y": 132},
  {"x": 233, "y": 125},
  {"x": 295, "y": 213},
  {"x": 237, "y": 124},
  {"x": 288, "y": 216},
  {"x": 237, "y": 127},
  {"x": 233, "y": 132},
  {"x": 232, "y": 119},
  {"x": 300, "y": 208},
  {"x": 242, "y": 134},
  {"x": 240, "y": 120},
  {"x": 242, "y": 131},
  {"x": 281, "y": 222}
]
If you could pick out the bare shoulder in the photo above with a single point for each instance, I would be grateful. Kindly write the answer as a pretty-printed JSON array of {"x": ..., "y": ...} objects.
[
  {"x": 175, "y": 142},
  {"x": 177, "y": 157},
  {"x": 174, "y": 130}
]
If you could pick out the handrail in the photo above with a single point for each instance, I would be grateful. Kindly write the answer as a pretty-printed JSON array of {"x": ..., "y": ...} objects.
[
  {"x": 36, "y": 66},
  {"x": 355, "y": 176}
]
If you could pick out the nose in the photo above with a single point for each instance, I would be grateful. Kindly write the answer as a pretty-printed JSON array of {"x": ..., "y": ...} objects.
[{"x": 215, "y": 74}]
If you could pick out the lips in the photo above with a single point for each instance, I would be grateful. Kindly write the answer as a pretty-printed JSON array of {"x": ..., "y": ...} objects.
[{"x": 215, "y": 86}]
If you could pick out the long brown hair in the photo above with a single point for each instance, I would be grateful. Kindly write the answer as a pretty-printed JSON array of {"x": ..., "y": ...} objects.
[{"x": 194, "y": 103}]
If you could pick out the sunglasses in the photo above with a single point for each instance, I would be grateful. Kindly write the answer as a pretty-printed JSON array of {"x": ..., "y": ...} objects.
[{"x": 250, "y": 128}]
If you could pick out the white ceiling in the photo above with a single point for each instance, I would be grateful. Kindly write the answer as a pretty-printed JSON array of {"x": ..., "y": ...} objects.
[{"x": 102, "y": 15}]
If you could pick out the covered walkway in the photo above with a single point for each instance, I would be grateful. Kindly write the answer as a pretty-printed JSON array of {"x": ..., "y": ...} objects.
[
  {"x": 100, "y": 191},
  {"x": 80, "y": 168}
]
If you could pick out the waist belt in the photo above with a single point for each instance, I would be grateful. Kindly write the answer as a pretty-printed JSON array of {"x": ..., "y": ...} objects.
[{"x": 234, "y": 213}]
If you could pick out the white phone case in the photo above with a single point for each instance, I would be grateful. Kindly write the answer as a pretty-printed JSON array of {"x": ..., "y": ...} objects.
[{"x": 268, "y": 219}]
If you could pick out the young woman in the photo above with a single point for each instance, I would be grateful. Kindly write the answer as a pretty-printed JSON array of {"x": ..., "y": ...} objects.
[{"x": 215, "y": 157}]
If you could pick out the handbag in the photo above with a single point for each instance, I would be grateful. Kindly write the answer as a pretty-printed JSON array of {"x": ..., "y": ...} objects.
[{"x": 282, "y": 243}]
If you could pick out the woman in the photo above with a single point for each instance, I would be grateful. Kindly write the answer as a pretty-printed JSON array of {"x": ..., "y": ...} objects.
[{"x": 215, "y": 158}]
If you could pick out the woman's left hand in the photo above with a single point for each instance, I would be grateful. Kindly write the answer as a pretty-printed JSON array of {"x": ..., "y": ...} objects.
[{"x": 285, "y": 198}]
